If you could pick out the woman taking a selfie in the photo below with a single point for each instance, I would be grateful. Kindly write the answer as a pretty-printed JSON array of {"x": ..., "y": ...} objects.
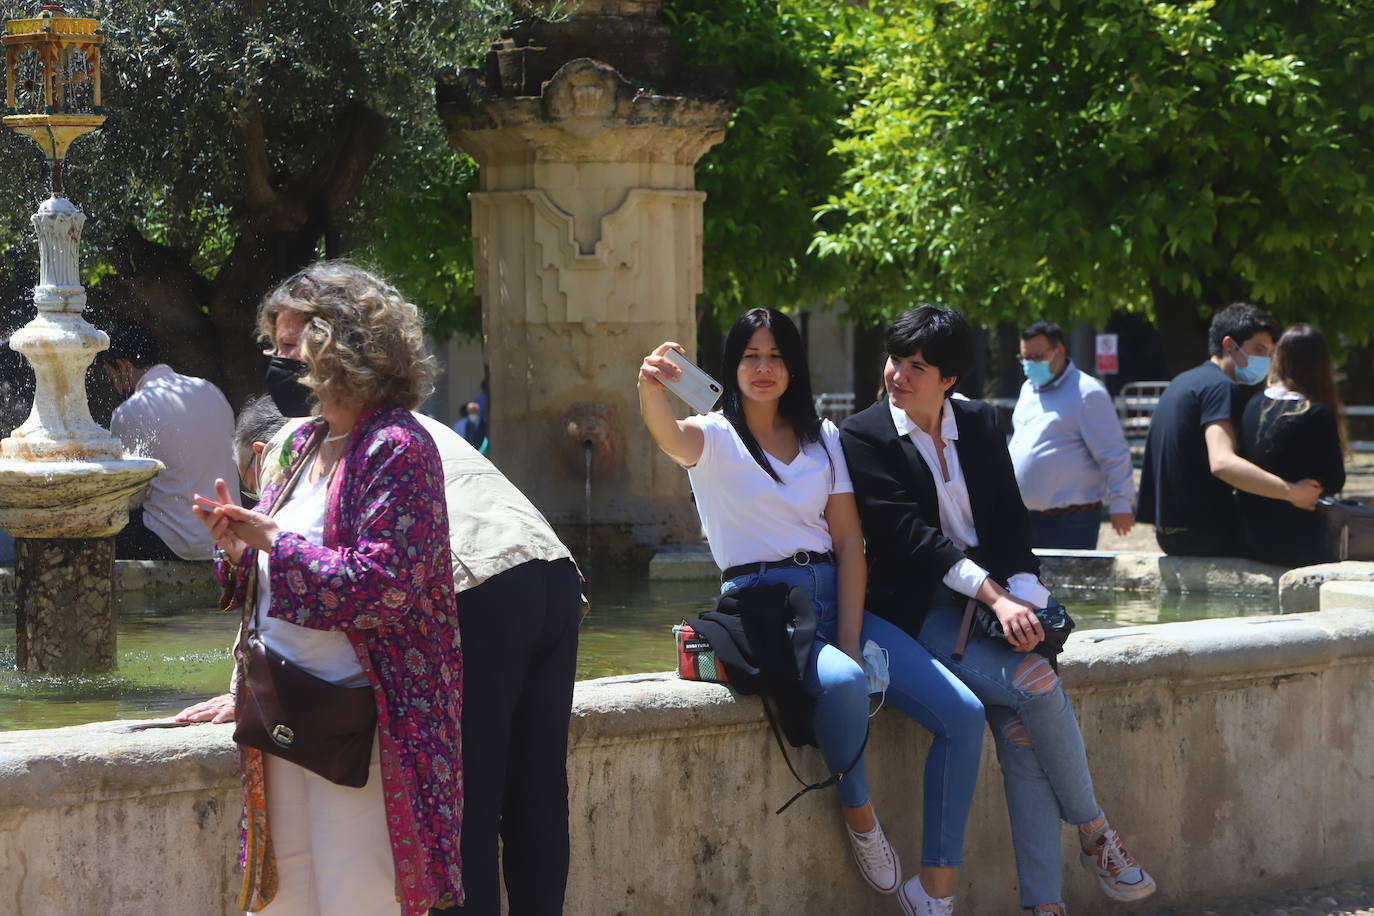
[
  {"x": 777, "y": 506},
  {"x": 346, "y": 574}
]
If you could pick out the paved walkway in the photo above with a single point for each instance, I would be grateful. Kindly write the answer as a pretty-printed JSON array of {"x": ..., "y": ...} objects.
[{"x": 1344, "y": 898}]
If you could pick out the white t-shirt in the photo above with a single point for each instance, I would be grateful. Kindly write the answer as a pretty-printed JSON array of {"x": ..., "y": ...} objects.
[
  {"x": 185, "y": 423},
  {"x": 326, "y": 654},
  {"x": 749, "y": 517}
]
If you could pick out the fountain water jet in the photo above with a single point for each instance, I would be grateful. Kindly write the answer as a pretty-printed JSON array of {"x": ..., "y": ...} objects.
[{"x": 65, "y": 481}]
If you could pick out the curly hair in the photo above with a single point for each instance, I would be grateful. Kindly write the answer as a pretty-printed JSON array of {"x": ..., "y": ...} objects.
[{"x": 363, "y": 342}]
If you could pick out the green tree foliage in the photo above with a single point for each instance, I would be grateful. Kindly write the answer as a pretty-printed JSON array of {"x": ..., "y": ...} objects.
[
  {"x": 246, "y": 139},
  {"x": 775, "y": 167},
  {"x": 1072, "y": 157}
]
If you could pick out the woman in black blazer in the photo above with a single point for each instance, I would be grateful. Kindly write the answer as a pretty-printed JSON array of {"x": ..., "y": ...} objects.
[{"x": 943, "y": 523}]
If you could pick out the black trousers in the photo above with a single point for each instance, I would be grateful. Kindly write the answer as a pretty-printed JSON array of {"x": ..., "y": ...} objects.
[
  {"x": 519, "y": 632},
  {"x": 135, "y": 541}
]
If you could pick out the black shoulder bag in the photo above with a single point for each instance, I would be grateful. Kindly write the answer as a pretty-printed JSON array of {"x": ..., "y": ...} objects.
[{"x": 763, "y": 636}]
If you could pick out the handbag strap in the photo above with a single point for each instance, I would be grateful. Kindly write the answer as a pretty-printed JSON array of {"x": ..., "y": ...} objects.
[
  {"x": 964, "y": 627},
  {"x": 250, "y": 596},
  {"x": 826, "y": 783}
]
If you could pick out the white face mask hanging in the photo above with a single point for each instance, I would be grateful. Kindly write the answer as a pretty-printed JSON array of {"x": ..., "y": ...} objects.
[{"x": 875, "y": 672}]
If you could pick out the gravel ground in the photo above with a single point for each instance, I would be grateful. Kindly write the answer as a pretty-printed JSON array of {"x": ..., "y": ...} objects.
[{"x": 1344, "y": 898}]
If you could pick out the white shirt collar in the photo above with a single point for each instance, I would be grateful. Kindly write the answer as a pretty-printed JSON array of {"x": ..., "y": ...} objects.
[
  {"x": 949, "y": 429},
  {"x": 1057, "y": 380},
  {"x": 1281, "y": 392}
]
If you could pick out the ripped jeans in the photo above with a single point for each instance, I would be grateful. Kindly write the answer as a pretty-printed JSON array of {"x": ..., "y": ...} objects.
[{"x": 1044, "y": 765}]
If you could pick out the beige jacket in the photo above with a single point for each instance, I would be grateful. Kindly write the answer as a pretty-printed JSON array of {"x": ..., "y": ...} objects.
[{"x": 492, "y": 526}]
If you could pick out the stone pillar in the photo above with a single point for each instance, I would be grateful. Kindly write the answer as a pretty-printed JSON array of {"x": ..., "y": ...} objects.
[
  {"x": 64, "y": 616},
  {"x": 587, "y": 247}
]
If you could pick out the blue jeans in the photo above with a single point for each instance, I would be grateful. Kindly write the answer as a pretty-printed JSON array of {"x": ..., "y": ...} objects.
[
  {"x": 1044, "y": 766},
  {"x": 920, "y": 687},
  {"x": 1071, "y": 531}
]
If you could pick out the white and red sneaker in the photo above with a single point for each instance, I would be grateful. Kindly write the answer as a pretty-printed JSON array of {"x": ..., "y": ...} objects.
[{"x": 1117, "y": 872}]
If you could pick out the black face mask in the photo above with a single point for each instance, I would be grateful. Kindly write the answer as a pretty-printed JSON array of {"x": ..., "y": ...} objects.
[{"x": 283, "y": 385}]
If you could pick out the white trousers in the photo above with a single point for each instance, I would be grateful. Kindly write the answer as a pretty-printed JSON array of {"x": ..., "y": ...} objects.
[{"x": 331, "y": 842}]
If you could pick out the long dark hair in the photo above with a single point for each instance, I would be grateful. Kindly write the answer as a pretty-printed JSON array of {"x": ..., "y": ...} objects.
[
  {"x": 796, "y": 405},
  {"x": 1302, "y": 363}
]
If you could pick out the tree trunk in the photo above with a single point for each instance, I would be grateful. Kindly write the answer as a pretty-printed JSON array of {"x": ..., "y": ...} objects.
[
  {"x": 868, "y": 364},
  {"x": 206, "y": 326},
  {"x": 1182, "y": 329}
]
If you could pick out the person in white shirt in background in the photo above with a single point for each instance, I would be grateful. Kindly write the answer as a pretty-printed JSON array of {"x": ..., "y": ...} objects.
[
  {"x": 1067, "y": 447},
  {"x": 182, "y": 421}
]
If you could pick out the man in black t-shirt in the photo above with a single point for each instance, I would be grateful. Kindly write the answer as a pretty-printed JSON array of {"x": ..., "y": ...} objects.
[{"x": 1191, "y": 465}]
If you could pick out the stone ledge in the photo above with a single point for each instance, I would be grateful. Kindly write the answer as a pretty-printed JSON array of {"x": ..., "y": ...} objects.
[
  {"x": 195, "y": 579},
  {"x": 1066, "y": 569},
  {"x": 1342, "y": 594},
  {"x": 683, "y": 561},
  {"x": 1300, "y": 588},
  {"x": 673, "y": 785}
]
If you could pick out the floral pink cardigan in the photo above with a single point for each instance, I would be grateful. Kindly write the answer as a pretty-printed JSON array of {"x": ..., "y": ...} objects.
[{"x": 383, "y": 577}]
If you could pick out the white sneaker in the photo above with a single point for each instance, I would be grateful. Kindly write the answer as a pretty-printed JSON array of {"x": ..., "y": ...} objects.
[
  {"x": 877, "y": 859},
  {"x": 1117, "y": 872},
  {"x": 916, "y": 902}
]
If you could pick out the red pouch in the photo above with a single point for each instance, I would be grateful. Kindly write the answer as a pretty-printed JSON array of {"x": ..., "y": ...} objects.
[{"x": 696, "y": 660}]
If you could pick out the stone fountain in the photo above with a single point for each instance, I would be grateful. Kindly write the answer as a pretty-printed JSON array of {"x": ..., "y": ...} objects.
[
  {"x": 65, "y": 481},
  {"x": 587, "y": 245}
]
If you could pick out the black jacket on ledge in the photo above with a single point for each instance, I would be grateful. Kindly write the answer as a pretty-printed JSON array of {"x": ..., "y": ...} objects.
[{"x": 908, "y": 554}]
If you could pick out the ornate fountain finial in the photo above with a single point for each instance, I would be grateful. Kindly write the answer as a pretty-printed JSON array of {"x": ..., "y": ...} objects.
[
  {"x": 52, "y": 85},
  {"x": 52, "y": 81}
]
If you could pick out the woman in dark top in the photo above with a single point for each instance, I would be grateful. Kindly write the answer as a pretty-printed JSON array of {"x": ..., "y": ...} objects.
[{"x": 1293, "y": 429}]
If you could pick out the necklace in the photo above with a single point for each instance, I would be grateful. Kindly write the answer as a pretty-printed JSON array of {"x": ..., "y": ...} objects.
[{"x": 342, "y": 435}]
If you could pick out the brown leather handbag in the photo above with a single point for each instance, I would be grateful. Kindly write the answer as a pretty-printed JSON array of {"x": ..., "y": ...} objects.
[{"x": 284, "y": 710}]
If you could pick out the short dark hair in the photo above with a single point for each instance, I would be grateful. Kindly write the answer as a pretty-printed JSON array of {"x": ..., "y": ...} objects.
[
  {"x": 131, "y": 341},
  {"x": 1239, "y": 321},
  {"x": 943, "y": 336},
  {"x": 258, "y": 421},
  {"x": 1046, "y": 329}
]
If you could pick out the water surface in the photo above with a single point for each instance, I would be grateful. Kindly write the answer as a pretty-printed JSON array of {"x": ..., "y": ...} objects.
[{"x": 170, "y": 658}]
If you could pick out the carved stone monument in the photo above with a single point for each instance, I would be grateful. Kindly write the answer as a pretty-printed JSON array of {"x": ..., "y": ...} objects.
[{"x": 587, "y": 242}]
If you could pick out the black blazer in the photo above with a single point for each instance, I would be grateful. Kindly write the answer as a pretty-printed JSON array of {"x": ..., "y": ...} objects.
[{"x": 908, "y": 554}]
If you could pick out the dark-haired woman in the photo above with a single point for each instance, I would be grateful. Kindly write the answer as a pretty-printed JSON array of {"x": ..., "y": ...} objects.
[
  {"x": 944, "y": 522},
  {"x": 775, "y": 500},
  {"x": 1293, "y": 429}
]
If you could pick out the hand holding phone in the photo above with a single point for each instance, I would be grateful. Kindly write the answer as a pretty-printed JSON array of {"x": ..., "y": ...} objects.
[{"x": 692, "y": 384}]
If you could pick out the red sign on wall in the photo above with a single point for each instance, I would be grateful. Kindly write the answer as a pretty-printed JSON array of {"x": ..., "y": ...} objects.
[{"x": 1106, "y": 354}]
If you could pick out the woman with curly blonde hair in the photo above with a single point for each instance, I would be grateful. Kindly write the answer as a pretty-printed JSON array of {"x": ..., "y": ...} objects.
[{"x": 346, "y": 571}]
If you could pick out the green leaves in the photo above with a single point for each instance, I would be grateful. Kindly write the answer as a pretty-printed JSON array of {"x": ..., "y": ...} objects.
[{"x": 1068, "y": 160}]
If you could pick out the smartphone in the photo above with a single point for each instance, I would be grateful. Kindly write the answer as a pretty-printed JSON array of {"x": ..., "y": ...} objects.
[{"x": 694, "y": 386}]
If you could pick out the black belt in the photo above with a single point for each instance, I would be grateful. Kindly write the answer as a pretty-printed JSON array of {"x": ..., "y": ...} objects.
[
  {"x": 800, "y": 558},
  {"x": 1066, "y": 510}
]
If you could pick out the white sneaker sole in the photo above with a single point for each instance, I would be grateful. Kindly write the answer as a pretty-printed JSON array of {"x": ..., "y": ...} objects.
[{"x": 1120, "y": 893}]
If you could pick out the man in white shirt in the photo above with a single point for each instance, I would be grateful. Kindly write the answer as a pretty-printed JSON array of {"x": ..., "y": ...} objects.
[
  {"x": 1067, "y": 447},
  {"x": 182, "y": 421}
]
